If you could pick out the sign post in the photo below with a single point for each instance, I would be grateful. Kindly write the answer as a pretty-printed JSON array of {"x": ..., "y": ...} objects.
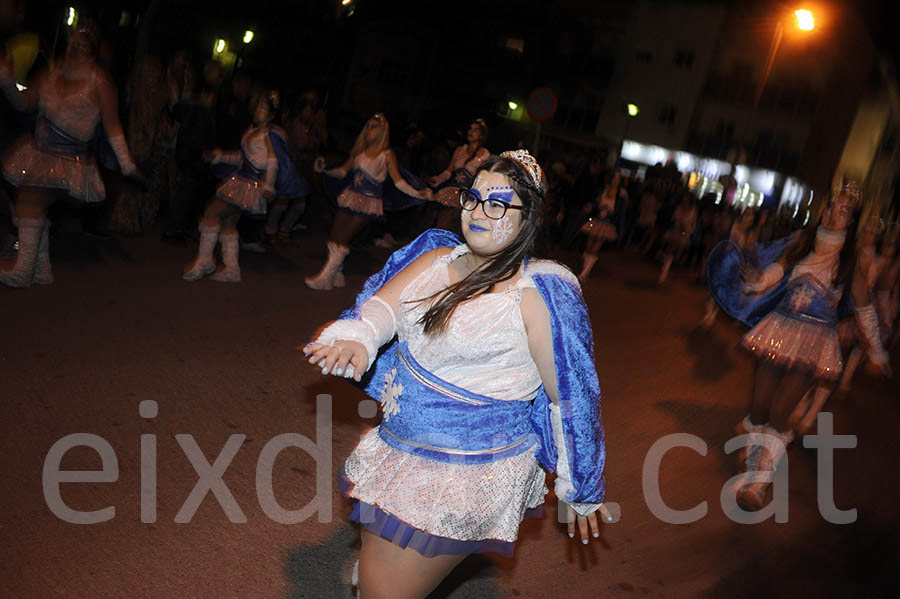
[{"x": 541, "y": 106}]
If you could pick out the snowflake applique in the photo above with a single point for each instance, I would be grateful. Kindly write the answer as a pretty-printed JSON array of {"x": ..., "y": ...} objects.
[
  {"x": 390, "y": 394},
  {"x": 802, "y": 298},
  {"x": 502, "y": 230},
  {"x": 460, "y": 177}
]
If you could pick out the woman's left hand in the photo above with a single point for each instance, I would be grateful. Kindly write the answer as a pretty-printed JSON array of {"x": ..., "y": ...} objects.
[{"x": 586, "y": 522}]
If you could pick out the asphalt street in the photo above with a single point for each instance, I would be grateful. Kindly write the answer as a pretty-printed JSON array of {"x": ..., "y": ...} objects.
[{"x": 119, "y": 327}]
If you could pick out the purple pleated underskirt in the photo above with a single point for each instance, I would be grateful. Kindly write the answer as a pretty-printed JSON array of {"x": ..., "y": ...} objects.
[{"x": 395, "y": 530}]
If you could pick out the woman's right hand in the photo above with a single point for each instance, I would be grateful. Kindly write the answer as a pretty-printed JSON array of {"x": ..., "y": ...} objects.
[
  {"x": 210, "y": 155},
  {"x": 348, "y": 359},
  {"x": 319, "y": 164}
]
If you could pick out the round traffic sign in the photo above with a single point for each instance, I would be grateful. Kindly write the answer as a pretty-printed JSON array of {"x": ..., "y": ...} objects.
[{"x": 541, "y": 104}]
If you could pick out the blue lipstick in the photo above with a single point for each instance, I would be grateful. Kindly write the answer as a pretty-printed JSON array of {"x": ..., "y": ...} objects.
[{"x": 477, "y": 228}]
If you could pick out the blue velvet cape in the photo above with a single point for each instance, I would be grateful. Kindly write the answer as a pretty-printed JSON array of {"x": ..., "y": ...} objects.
[
  {"x": 573, "y": 349},
  {"x": 723, "y": 273}
]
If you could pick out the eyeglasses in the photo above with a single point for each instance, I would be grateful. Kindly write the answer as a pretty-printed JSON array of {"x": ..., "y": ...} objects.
[{"x": 493, "y": 208}]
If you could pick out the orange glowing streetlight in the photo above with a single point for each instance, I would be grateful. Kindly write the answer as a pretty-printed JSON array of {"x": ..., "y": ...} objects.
[{"x": 804, "y": 20}]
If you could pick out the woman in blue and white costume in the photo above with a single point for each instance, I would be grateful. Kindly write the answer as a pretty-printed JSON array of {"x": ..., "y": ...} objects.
[
  {"x": 491, "y": 381},
  {"x": 261, "y": 170},
  {"x": 459, "y": 174},
  {"x": 792, "y": 307},
  {"x": 363, "y": 194},
  {"x": 59, "y": 162}
]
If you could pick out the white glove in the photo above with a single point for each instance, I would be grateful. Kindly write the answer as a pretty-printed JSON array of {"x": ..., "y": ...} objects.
[
  {"x": 120, "y": 149},
  {"x": 868, "y": 325},
  {"x": 563, "y": 486},
  {"x": 376, "y": 326},
  {"x": 769, "y": 277}
]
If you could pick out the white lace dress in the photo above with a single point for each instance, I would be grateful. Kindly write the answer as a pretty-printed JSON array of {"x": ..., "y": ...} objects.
[{"x": 484, "y": 350}]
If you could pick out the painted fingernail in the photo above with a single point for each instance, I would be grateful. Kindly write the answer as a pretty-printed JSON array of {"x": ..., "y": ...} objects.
[
  {"x": 584, "y": 541},
  {"x": 322, "y": 362},
  {"x": 596, "y": 535},
  {"x": 571, "y": 535},
  {"x": 324, "y": 371},
  {"x": 609, "y": 519}
]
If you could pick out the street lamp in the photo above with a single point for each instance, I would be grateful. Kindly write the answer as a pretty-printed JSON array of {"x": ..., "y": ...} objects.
[
  {"x": 804, "y": 19},
  {"x": 248, "y": 36},
  {"x": 70, "y": 16},
  {"x": 633, "y": 110},
  {"x": 219, "y": 46}
]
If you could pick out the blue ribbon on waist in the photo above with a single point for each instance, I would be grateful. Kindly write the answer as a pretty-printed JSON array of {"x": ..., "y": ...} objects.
[
  {"x": 439, "y": 421},
  {"x": 248, "y": 171},
  {"x": 806, "y": 299},
  {"x": 50, "y": 138}
]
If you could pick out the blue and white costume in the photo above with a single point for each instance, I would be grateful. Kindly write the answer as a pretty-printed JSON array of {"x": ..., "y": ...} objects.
[
  {"x": 367, "y": 189},
  {"x": 62, "y": 153},
  {"x": 468, "y": 428},
  {"x": 262, "y": 164},
  {"x": 795, "y": 319}
]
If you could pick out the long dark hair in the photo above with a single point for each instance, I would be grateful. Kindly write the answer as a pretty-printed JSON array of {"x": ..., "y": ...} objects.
[
  {"x": 805, "y": 243},
  {"x": 501, "y": 266}
]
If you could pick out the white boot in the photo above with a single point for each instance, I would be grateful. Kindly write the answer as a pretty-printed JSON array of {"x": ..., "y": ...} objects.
[
  {"x": 324, "y": 280},
  {"x": 22, "y": 274},
  {"x": 43, "y": 273},
  {"x": 204, "y": 263},
  {"x": 589, "y": 261},
  {"x": 231, "y": 271},
  {"x": 339, "y": 280}
]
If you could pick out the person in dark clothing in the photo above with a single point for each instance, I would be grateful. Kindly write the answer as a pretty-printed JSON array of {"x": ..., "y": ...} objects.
[
  {"x": 196, "y": 135},
  {"x": 584, "y": 191}
]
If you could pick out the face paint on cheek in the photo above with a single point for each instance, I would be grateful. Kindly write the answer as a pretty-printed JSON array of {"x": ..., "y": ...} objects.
[{"x": 501, "y": 230}]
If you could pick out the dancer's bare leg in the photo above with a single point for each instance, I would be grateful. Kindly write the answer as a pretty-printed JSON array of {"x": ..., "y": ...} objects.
[{"x": 388, "y": 571}]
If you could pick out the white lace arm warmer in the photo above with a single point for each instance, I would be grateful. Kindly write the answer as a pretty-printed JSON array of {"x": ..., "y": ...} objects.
[
  {"x": 563, "y": 477},
  {"x": 769, "y": 277},
  {"x": 220, "y": 157},
  {"x": 376, "y": 326},
  {"x": 868, "y": 325},
  {"x": 120, "y": 149}
]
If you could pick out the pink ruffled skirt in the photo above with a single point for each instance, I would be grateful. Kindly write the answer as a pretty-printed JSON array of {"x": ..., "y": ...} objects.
[
  {"x": 244, "y": 193},
  {"x": 796, "y": 343},
  {"x": 28, "y": 166},
  {"x": 362, "y": 204}
]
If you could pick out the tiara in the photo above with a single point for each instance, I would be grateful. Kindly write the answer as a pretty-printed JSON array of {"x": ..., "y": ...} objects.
[{"x": 528, "y": 162}]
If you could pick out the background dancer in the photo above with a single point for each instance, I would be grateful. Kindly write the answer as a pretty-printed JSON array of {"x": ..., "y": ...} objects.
[
  {"x": 58, "y": 162},
  {"x": 359, "y": 185},
  {"x": 600, "y": 226},
  {"x": 795, "y": 341},
  {"x": 459, "y": 174},
  {"x": 477, "y": 324},
  {"x": 265, "y": 171}
]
